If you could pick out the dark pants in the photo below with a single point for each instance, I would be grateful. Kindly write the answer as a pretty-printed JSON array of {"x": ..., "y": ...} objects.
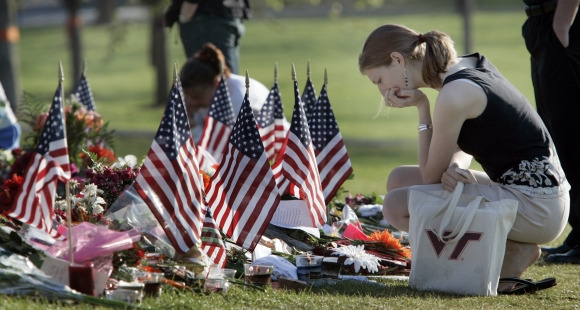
[
  {"x": 224, "y": 33},
  {"x": 556, "y": 80}
]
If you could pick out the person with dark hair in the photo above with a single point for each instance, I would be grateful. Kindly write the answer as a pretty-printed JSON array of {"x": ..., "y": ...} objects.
[
  {"x": 552, "y": 36},
  {"x": 200, "y": 76},
  {"x": 218, "y": 22},
  {"x": 478, "y": 114}
]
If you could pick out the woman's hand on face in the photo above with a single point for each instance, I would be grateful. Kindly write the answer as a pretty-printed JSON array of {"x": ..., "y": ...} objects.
[
  {"x": 454, "y": 174},
  {"x": 402, "y": 98}
]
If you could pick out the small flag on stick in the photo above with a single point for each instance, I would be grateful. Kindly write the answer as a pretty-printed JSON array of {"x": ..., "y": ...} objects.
[
  {"x": 309, "y": 94},
  {"x": 218, "y": 123},
  {"x": 297, "y": 167},
  {"x": 34, "y": 204},
  {"x": 242, "y": 194},
  {"x": 84, "y": 94},
  {"x": 169, "y": 180},
  {"x": 331, "y": 156},
  {"x": 271, "y": 121}
]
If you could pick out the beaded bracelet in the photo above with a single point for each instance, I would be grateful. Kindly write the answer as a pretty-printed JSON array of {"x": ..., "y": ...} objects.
[{"x": 423, "y": 127}]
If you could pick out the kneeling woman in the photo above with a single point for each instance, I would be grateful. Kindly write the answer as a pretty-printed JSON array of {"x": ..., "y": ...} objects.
[{"x": 477, "y": 114}]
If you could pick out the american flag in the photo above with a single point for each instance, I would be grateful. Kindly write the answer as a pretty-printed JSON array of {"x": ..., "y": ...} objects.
[
  {"x": 242, "y": 194},
  {"x": 309, "y": 97},
  {"x": 34, "y": 204},
  {"x": 271, "y": 122},
  {"x": 297, "y": 169},
  {"x": 84, "y": 94},
  {"x": 219, "y": 122},
  {"x": 169, "y": 181},
  {"x": 331, "y": 156},
  {"x": 212, "y": 243}
]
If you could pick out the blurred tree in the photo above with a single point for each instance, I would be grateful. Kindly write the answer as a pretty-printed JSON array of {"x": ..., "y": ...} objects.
[
  {"x": 159, "y": 50},
  {"x": 106, "y": 9},
  {"x": 73, "y": 30},
  {"x": 9, "y": 60},
  {"x": 465, "y": 8}
]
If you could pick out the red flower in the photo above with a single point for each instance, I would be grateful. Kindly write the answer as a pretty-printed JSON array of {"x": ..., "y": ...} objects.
[
  {"x": 102, "y": 153},
  {"x": 8, "y": 192}
]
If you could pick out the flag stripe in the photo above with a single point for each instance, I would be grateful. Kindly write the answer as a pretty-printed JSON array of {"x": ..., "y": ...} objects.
[
  {"x": 172, "y": 203},
  {"x": 211, "y": 241},
  {"x": 310, "y": 188}
]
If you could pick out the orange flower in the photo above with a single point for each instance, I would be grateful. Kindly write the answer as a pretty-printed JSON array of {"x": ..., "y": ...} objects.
[
  {"x": 205, "y": 181},
  {"x": 386, "y": 238},
  {"x": 93, "y": 120}
]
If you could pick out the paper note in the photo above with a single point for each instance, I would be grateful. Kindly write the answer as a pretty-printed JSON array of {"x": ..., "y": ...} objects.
[{"x": 56, "y": 269}]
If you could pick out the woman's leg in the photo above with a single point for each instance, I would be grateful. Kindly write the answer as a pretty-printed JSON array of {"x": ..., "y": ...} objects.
[
  {"x": 404, "y": 176},
  {"x": 395, "y": 209},
  {"x": 518, "y": 257}
]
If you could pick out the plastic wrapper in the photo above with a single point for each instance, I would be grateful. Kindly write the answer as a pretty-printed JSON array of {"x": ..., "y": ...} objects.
[
  {"x": 91, "y": 241},
  {"x": 129, "y": 211}
]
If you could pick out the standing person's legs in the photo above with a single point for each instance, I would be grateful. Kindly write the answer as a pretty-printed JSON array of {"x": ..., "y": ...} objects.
[
  {"x": 556, "y": 80},
  {"x": 225, "y": 34}
]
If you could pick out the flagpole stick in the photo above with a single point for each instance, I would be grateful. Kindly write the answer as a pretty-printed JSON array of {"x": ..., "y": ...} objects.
[
  {"x": 294, "y": 71},
  {"x": 247, "y": 82},
  {"x": 175, "y": 75},
  {"x": 308, "y": 69},
  {"x": 67, "y": 188},
  {"x": 276, "y": 72},
  {"x": 325, "y": 77},
  {"x": 247, "y": 94}
]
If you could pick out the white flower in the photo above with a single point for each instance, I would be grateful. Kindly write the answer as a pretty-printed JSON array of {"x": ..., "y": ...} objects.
[
  {"x": 60, "y": 205},
  {"x": 356, "y": 255},
  {"x": 90, "y": 190},
  {"x": 129, "y": 160},
  {"x": 98, "y": 209}
]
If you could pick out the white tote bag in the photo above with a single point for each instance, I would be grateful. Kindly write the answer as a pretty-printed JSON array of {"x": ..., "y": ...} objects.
[{"x": 458, "y": 241}]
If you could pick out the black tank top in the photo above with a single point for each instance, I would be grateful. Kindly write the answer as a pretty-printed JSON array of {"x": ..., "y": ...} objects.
[{"x": 509, "y": 135}]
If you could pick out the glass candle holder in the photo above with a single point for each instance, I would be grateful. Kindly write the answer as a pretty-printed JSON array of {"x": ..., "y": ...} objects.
[
  {"x": 258, "y": 275},
  {"x": 309, "y": 266},
  {"x": 81, "y": 278}
]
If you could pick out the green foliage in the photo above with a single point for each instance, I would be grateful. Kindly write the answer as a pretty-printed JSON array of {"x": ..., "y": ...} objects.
[{"x": 84, "y": 128}]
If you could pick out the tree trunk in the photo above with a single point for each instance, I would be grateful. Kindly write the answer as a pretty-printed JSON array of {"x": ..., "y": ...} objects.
[
  {"x": 159, "y": 59},
  {"x": 73, "y": 29},
  {"x": 106, "y": 10},
  {"x": 9, "y": 60},
  {"x": 466, "y": 9}
]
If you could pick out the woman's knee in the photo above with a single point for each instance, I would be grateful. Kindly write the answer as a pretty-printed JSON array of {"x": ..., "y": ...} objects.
[
  {"x": 404, "y": 176},
  {"x": 395, "y": 209}
]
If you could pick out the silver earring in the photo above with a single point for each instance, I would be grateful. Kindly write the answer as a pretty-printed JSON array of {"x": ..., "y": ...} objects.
[{"x": 406, "y": 78}]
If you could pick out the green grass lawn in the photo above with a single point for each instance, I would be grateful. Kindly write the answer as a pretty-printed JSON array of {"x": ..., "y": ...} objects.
[{"x": 122, "y": 81}]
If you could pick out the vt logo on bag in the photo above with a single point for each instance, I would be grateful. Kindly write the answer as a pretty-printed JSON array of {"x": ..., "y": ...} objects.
[{"x": 439, "y": 245}]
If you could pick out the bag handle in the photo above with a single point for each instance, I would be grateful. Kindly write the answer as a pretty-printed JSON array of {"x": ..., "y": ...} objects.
[{"x": 467, "y": 217}]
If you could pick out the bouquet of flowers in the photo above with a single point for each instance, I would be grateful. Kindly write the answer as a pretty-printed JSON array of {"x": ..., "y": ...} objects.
[{"x": 85, "y": 129}]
